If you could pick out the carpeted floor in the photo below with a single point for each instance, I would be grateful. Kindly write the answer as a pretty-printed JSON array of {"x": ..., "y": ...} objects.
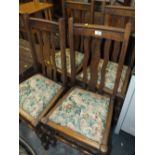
[{"x": 122, "y": 144}]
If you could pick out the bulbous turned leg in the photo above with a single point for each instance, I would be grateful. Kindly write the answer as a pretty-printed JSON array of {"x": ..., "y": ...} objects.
[
  {"x": 46, "y": 136},
  {"x": 51, "y": 137},
  {"x": 41, "y": 134}
]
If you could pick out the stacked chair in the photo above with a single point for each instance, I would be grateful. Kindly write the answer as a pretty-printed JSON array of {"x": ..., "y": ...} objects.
[
  {"x": 125, "y": 2},
  {"x": 117, "y": 16},
  {"x": 80, "y": 11},
  {"x": 71, "y": 98}
]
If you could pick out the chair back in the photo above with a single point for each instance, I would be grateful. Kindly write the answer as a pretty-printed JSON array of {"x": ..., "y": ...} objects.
[
  {"x": 117, "y": 16},
  {"x": 114, "y": 15},
  {"x": 80, "y": 11},
  {"x": 46, "y": 32},
  {"x": 93, "y": 36}
]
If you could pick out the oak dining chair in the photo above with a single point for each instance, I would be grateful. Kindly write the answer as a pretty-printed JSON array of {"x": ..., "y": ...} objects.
[
  {"x": 70, "y": 8},
  {"x": 117, "y": 16},
  {"x": 39, "y": 93},
  {"x": 82, "y": 117}
]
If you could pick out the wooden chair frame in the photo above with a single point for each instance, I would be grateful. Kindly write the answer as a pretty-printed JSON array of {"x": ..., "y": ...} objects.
[
  {"x": 68, "y": 136},
  {"x": 48, "y": 68},
  {"x": 75, "y": 6},
  {"x": 117, "y": 16},
  {"x": 69, "y": 9},
  {"x": 65, "y": 134},
  {"x": 110, "y": 12}
]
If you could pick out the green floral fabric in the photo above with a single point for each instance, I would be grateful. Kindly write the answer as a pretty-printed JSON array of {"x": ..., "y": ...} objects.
[
  {"x": 35, "y": 94},
  {"x": 78, "y": 57},
  {"x": 110, "y": 77},
  {"x": 84, "y": 112}
]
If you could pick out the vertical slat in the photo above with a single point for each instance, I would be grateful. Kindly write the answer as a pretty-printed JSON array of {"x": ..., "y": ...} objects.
[
  {"x": 77, "y": 38},
  {"x": 46, "y": 14},
  {"x": 122, "y": 22},
  {"x": 103, "y": 12},
  {"x": 63, "y": 48},
  {"x": 86, "y": 58},
  {"x": 82, "y": 38},
  {"x": 63, "y": 8},
  {"x": 46, "y": 52},
  {"x": 77, "y": 15},
  {"x": 96, "y": 43},
  {"x": 122, "y": 57},
  {"x": 71, "y": 43},
  {"x": 40, "y": 39},
  {"x": 107, "y": 19},
  {"x": 106, "y": 59},
  {"x": 65, "y": 14},
  {"x": 132, "y": 60},
  {"x": 113, "y": 20},
  {"x": 77, "y": 19},
  {"x": 54, "y": 71},
  {"x": 72, "y": 13},
  {"x": 83, "y": 14},
  {"x": 116, "y": 50},
  {"x": 31, "y": 41},
  {"x": 49, "y": 14},
  {"x": 81, "y": 43},
  {"x": 77, "y": 42},
  {"x": 92, "y": 11}
]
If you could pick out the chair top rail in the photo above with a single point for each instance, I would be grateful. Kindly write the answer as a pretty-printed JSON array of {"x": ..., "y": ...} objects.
[
  {"x": 78, "y": 5},
  {"x": 43, "y": 24},
  {"x": 99, "y": 31}
]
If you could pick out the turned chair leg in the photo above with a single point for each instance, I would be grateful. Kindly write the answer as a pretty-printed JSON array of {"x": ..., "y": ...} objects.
[{"x": 46, "y": 136}]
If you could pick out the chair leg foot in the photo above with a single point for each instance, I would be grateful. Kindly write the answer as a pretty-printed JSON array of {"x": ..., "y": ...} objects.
[
  {"x": 46, "y": 136},
  {"x": 53, "y": 142}
]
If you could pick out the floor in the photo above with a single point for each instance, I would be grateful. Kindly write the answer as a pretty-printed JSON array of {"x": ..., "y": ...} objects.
[{"x": 122, "y": 144}]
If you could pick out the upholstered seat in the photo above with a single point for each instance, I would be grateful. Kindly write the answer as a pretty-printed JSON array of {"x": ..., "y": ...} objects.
[
  {"x": 36, "y": 93},
  {"x": 110, "y": 75},
  {"x": 83, "y": 112},
  {"x": 78, "y": 57}
]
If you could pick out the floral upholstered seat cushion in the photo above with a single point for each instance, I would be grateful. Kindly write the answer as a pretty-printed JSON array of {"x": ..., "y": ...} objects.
[
  {"x": 110, "y": 77},
  {"x": 35, "y": 94},
  {"x": 78, "y": 58},
  {"x": 84, "y": 112}
]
